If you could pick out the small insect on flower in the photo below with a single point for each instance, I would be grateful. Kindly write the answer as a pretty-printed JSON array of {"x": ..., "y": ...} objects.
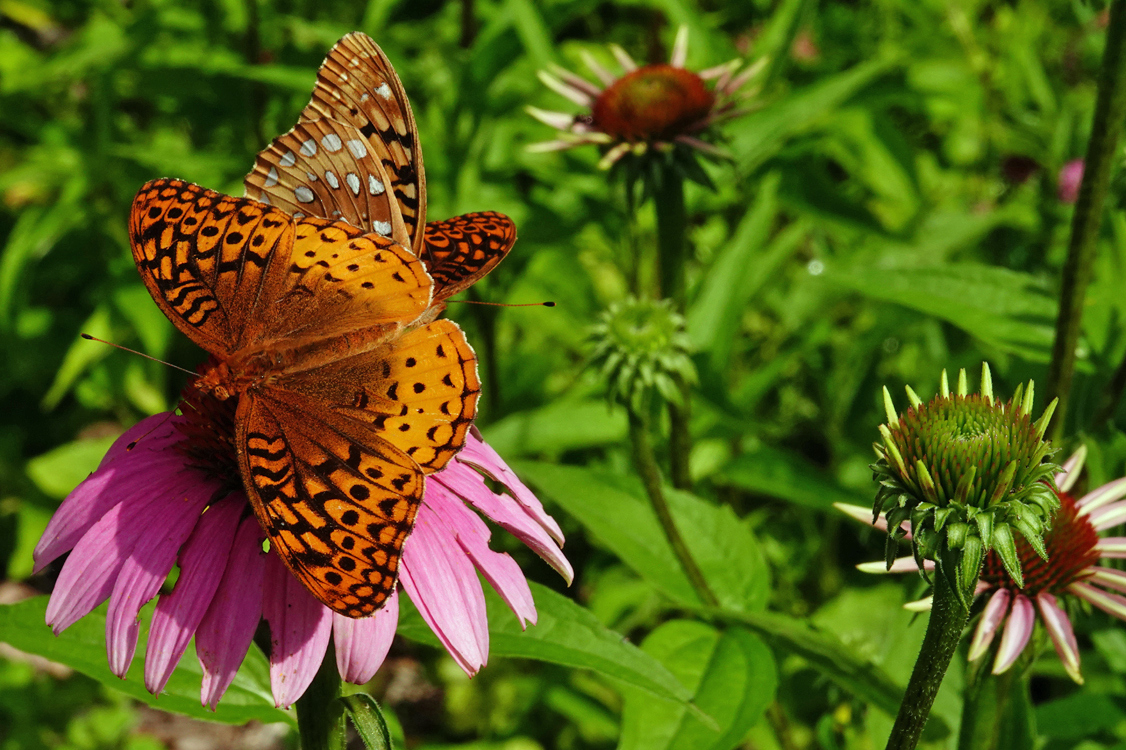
[
  {"x": 1070, "y": 573},
  {"x": 647, "y": 107}
]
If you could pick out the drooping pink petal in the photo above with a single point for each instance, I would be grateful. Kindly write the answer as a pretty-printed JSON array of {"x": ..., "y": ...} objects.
[
  {"x": 574, "y": 81},
  {"x": 557, "y": 120},
  {"x": 1110, "y": 603},
  {"x": 1069, "y": 473},
  {"x": 500, "y": 570},
  {"x": 1108, "y": 577},
  {"x": 362, "y": 644},
  {"x": 1112, "y": 546},
  {"x": 1063, "y": 637},
  {"x": 90, "y": 573},
  {"x": 510, "y": 515},
  {"x": 578, "y": 96},
  {"x": 994, "y": 614},
  {"x": 147, "y": 566},
  {"x": 1107, "y": 516},
  {"x": 202, "y": 563},
  {"x": 225, "y": 633},
  {"x": 133, "y": 478},
  {"x": 603, "y": 75},
  {"x": 443, "y": 584},
  {"x": 1097, "y": 498},
  {"x": 1018, "y": 629},
  {"x": 479, "y": 454},
  {"x": 679, "y": 48},
  {"x": 300, "y": 628},
  {"x": 623, "y": 58}
]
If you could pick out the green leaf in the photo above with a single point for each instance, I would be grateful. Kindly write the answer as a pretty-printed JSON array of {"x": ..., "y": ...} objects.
[
  {"x": 364, "y": 712},
  {"x": 1080, "y": 714},
  {"x": 566, "y": 634},
  {"x": 59, "y": 470},
  {"x": 732, "y": 678},
  {"x": 82, "y": 647},
  {"x": 784, "y": 475},
  {"x": 80, "y": 356},
  {"x": 615, "y": 511},
  {"x": 561, "y": 426},
  {"x": 1010, "y": 310}
]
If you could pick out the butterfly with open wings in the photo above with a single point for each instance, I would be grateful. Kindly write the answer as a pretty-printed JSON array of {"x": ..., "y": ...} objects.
[{"x": 317, "y": 297}]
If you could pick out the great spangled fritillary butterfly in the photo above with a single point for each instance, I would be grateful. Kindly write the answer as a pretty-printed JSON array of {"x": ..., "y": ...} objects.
[
  {"x": 345, "y": 399},
  {"x": 354, "y": 155}
]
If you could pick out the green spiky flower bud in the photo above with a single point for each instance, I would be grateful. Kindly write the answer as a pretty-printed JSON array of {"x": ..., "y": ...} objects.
[
  {"x": 641, "y": 349},
  {"x": 968, "y": 472}
]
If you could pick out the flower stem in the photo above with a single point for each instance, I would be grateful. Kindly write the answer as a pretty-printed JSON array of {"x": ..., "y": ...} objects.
[
  {"x": 320, "y": 717},
  {"x": 646, "y": 464},
  {"x": 1110, "y": 113},
  {"x": 672, "y": 241},
  {"x": 948, "y": 618},
  {"x": 984, "y": 703}
]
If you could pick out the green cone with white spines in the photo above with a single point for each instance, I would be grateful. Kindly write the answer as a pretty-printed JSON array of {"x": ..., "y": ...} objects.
[
  {"x": 641, "y": 349},
  {"x": 968, "y": 472}
]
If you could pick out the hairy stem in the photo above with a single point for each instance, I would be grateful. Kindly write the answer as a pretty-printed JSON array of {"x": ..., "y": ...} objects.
[
  {"x": 646, "y": 464},
  {"x": 948, "y": 618},
  {"x": 1110, "y": 113},
  {"x": 320, "y": 717}
]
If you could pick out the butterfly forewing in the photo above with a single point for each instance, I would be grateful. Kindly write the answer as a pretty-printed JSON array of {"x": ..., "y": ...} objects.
[
  {"x": 460, "y": 251},
  {"x": 207, "y": 258},
  {"x": 328, "y": 169},
  {"x": 336, "y": 501},
  {"x": 357, "y": 85}
]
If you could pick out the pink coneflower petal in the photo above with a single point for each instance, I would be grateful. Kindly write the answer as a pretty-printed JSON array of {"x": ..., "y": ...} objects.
[
  {"x": 576, "y": 82},
  {"x": 864, "y": 515},
  {"x": 163, "y": 435},
  {"x": 1063, "y": 637},
  {"x": 578, "y": 96},
  {"x": 224, "y": 635},
  {"x": 611, "y": 157},
  {"x": 1108, "y": 577},
  {"x": 1110, "y": 603},
  {"x": 718, "y": 71},
  {"x": 300, "y": 628},
  {"x": 679, "y": 48},
  {"x": 1112, "y": 546},
  {"x": 1069, "y": 473},
  {"x": 500, "y": 570},
  {"x": 1108, "y": 493},
  {"x": 545, "y": 147},
  {"x": 362, "y": 643},
  {"x": 899, "y": 565},
  {"x": 603, "y": 75},
  {"x": 1108, "y": 516},
  {"x": 623, "y": 58},
  {"x": 443, "y": 584},
  {"x": 1018, "y": 629},
  {"x": 178, "y": 615},
  {"x": 557, "y": 120},
  {"x": 133, "y": 482},
  {"x": 703, "y": 146},
  {"x": 991, "y": 618},
  {"x": 146, "y": 568}
]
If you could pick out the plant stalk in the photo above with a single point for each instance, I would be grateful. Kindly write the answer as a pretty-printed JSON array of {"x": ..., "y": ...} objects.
[
  {"x": 320, "y": 717},
  {"x": 948, "y": 618},
  {"x": 1110, "y": 113},
  {"x": 672, "y": 243},
  {"x": 646, "y": 463}
]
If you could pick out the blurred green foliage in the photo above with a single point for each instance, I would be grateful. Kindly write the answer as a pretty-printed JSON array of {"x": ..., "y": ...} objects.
[{"x": 891, "y": 209}]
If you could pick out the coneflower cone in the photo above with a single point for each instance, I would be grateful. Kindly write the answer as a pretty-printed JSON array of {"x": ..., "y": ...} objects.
[{"x": 968, "y": 473}]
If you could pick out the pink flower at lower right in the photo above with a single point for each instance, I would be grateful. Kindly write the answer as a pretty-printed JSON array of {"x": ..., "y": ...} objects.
[{"x": 1071, "y": 570}]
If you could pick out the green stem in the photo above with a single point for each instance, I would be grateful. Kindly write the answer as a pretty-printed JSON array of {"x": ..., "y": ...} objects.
[
  {"x": 984, "y": 703},
  {"x": 646, "y": 464},
  {"x": 944, "y": 630},
  {"x": 1110, "y": 113},
  {"x": 320, "y": 717},
  {"x": 672, "y": 241}
]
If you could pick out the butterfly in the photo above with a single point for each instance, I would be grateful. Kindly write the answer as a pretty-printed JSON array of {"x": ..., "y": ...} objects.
[
  {"x": 354, "y": 155},
  {"x": 346, "y": 397}
]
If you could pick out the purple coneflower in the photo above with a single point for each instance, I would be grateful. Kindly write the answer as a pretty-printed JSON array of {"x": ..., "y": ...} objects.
[
  {"x": 647, "y": 106},
  {"x": 1074, "y": 549},
  {"x": 172, "y": 499}
]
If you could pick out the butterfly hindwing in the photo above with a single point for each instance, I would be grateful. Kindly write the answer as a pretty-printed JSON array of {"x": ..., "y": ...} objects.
[
  {"x": 207, "y": 258},
  {"x": 326, "y": 168},
  {"x": 336, "y": 501},
  {"x": 460, "y": 251},
  {"x": 357, "y": 85}
]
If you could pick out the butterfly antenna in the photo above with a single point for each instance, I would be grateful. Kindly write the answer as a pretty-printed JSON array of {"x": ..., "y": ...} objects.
[
  {"x": 501, "y": 304},
  {"x": 151, "y": 430},
  {"x": 88, "y": 337}
]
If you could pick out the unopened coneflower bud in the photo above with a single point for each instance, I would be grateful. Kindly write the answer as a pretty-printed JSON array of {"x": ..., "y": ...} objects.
[
  {"x": 969, "y": 472},
  {"x": 641, "y": 348}
]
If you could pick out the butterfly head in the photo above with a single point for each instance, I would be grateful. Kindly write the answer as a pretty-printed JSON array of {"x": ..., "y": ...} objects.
[{"x": 217, "y": 381}]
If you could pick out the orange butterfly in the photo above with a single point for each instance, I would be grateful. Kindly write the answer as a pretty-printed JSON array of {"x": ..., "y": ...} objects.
[
  {"x": 345, "y": 401},
  {"x": 354, "y": 155}
]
